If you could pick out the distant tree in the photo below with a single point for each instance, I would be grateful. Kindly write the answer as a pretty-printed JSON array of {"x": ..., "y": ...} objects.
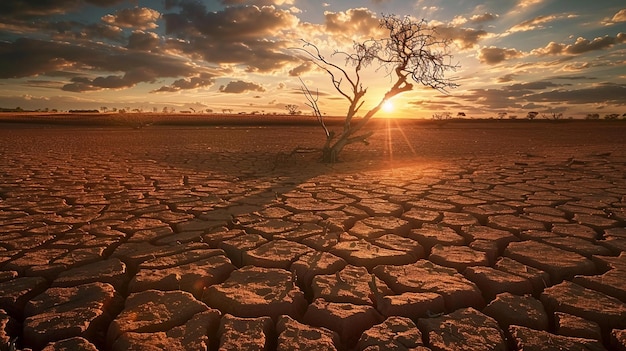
[
  {"x": 531, "y": 115},
  {"x": 104, "y": 109},
  {"x": 593, "y": 116},
  {"x": 501, "y": 115},
  {"x": 292, "y": 109},
  {"x": 611, "y": 116},
  {"x": 412, "y": 52},
  {"x": 461, "y": 115},
  {"x": 512, "y": 116},
  {"x": 208, "y": 110},
  {"x": 552, "y": 115},
  {"x": 440, "y": 116}
]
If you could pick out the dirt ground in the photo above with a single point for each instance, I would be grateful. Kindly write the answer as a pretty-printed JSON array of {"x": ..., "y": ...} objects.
[{"x": 77, "y": 195}]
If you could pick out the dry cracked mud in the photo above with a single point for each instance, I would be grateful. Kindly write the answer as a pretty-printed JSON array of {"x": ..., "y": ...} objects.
[{"x": 454, "y": 237}]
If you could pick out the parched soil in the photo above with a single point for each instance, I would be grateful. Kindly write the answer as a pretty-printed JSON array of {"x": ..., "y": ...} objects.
[{"x": 465, "y": 235}]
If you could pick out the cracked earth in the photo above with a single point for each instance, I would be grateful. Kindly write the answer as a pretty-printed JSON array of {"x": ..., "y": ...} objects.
[{"x": 453, "y": 237}]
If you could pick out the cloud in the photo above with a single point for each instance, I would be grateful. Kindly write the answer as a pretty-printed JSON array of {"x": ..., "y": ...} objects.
[
  {"x": 465, "y": 38},
  {"x": 485, "y": 17},
  {"x": 581, "y": 45},
  {"x": 493, "y": 55},
  {"x": 30, "y": 8},
  {"x": 605, "y": 93},
  {"x": 31, "y": 57},
  {"x": 140, "y": 40},
  {"x": 300, "y": 69},
  {"x": 204, "y": 80},
  {"x": 620, "y": 16},
  {"x": 137, "y": 17},
  {"x": 532, "y": 24},
  {"x": 359, "y": 21},
  {"x": 257, "y": 2},
  {"x": 249, "y": 36},
  {"x": 239, "y": 87}
]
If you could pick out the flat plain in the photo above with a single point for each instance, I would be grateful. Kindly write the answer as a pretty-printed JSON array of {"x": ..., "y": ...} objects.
[{"x": 183, "y": 234}]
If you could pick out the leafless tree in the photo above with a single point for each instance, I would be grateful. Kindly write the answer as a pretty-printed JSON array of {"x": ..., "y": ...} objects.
[
  {"x": 412, "y": 53},
  {"x": 552, "y": 115},
  {"x": 292, "y": 109}
]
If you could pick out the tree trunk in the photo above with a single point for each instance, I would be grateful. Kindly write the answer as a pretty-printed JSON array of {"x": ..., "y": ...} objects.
[{"x": 330, "y": 153}]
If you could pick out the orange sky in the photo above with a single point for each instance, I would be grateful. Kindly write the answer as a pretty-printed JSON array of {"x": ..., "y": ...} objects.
[{"x": 549, "y": 56}]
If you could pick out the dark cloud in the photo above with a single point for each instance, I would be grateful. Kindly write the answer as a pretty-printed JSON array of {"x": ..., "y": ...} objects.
[
  {"x": 540, "y": 85},
  {"x": 506, "y": 78},
  {"x": 204, "y": 80},
  {"x": 140, "y": 40},
  {"x": 493, "y": 55},
  {"x": 36, "y": 8},
  {"x": 30, "y": 57},
  {"x": 606, "y": 93},
  {"x": 137, "y": 17},
  {"x": 257, "y": 2},
  {"x": 581, "y": 45},
  {"x": 537, "y": 95},
  {"x": 249, "y": 36},
  {"x": 239, "y": 86},
  {"x": 300, "y": 69}
]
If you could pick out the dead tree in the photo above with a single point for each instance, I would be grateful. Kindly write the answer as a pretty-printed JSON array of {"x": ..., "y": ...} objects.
[{"x": 413, "y": 53}]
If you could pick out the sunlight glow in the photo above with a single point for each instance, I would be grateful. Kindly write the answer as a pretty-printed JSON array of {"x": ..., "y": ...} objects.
[{"x": 387, "y": 106}]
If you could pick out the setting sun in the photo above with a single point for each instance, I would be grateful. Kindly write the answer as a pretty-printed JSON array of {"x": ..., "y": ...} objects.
[{"x": 387, "y": 106}]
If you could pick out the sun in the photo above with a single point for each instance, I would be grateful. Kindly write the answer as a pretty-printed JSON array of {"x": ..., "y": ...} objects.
[{"x": 387, "y": 106}]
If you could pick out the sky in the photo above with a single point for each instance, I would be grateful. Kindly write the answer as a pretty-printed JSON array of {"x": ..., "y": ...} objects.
[{"x": 514, "y": 56}]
